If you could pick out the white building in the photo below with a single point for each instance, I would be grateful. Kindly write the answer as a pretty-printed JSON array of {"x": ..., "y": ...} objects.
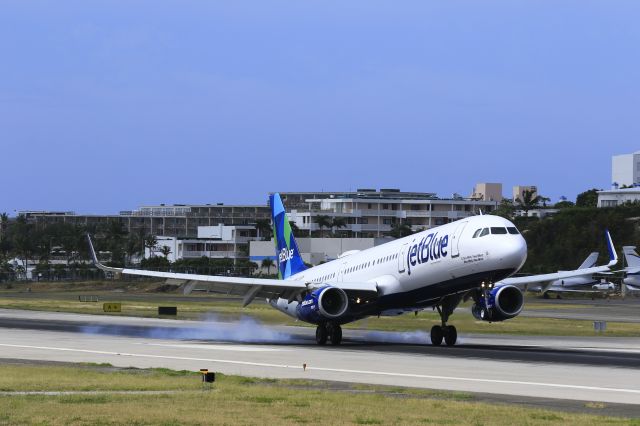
[
  {"x": 625, "y": 169},
  {"x": 373, "y": 214},
  {"x": 616, "y": 197},
  {"x": 216, "y": 242}
]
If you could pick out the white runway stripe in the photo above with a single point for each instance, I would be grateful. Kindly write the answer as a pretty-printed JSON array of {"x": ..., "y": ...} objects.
[{"x": 337, "y": 370}]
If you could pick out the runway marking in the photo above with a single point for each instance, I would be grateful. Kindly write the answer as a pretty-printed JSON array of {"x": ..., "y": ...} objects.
[{"x": 335, "y": 370}]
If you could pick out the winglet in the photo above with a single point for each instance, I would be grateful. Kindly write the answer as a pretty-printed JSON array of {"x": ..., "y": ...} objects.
[
  {"x": 613, "y": 256},
  {"x": 96, "y": 262}
]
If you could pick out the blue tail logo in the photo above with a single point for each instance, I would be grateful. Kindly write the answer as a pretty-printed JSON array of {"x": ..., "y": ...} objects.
[{"x": 289, "y": 259}]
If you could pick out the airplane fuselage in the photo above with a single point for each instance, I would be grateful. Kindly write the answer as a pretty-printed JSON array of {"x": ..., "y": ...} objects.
[{"x": 415, "y": 272}]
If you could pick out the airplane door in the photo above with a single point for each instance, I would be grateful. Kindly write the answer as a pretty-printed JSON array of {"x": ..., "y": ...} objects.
[
  {"x": 402, "y": 258},
  {"x": 455, "y": 239},
  {"x": 341, "y": 272}
]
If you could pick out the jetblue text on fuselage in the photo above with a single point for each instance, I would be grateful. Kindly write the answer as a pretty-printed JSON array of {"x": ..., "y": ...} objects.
[
  {"x": 429, "y": 248},
  {"x": 285, "y": 255}
]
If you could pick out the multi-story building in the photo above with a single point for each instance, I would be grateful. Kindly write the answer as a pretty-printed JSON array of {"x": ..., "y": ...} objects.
[
  {"x": 178, "y": 220},
  {"x": 216, "y": 242},
  {"x": 366, "y": 213},
  {"x": 519, "y": 190},
  {"x": 487, "y": 192},
  {"x": 625, "y": 169},
  {"x": 371, "y": 213}
]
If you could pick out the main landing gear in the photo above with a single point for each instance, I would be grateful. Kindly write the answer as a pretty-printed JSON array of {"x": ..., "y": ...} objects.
[
  {"x": 448, "y": 333},
  {"x": 329, "y": 331},
  {"x": 445, "y": 332}
]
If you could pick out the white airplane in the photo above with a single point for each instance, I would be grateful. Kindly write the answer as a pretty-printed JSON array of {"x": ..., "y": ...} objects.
[
  {"x": 577, "y": 284},
  {"x": 437, "y": 268},
  {"x": 632, "y": 271}
]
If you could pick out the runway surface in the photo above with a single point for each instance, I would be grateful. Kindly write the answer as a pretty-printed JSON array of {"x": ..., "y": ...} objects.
[{"x": 583, "y": 369}]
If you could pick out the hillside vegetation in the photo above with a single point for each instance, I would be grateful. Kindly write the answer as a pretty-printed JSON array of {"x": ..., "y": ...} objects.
[{"x": 564, "y": 240}]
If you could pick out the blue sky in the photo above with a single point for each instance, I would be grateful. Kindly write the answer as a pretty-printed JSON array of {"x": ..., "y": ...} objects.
[{"x": 105, "y": 106}]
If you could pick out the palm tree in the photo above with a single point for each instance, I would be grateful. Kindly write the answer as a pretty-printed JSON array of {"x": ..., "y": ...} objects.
[
  {"x": 150, "y": 242},
  {"x": 115, "y": 235},
  {"x": 399, "y": 230},
  {"x": 166, "y": 251},
  {"x": 5, "y": 240},
  {"x": 24, "y": 241},
  {"x": 338, "y": 222},
  {"x": 294, "y": 228},
  {"x": 133, "y": 246},
  {"x": 505, "y": 209},
  {"x": 528, "y": 201},
  {"x": 323, "y": 221},
  {"x": 267, "y": 263},
  {"x": 263, "y": 226},
  {"x": 4, "y": 224}
]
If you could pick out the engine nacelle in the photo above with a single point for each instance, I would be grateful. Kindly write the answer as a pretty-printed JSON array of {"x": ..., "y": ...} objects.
[
  {"x": 323, "y": 304},
  {"x": 502, "y": 303}
]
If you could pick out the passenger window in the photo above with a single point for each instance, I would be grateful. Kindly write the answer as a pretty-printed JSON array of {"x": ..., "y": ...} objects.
[
  {"x": 513, "y": 230},
  {"x": 475, "y": 234},
  {"x": 498, "y": 231},
  {"x": 484, "y": 232}
]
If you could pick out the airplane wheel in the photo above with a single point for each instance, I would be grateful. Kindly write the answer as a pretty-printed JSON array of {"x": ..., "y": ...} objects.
[
  {"x": 436, "y": 335},
  {"x": 484, "y": 314},
  {"x": 545, "y": 295},
  {"x": 335, "y": 334},
  {"x": 451, "y": 335},
  {"x": 321, "y": 334}
]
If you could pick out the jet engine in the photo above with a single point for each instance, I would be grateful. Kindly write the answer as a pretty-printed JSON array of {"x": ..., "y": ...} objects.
[
  {"x": 498, "y": 304},
  {"x": 323, "y": 304}
]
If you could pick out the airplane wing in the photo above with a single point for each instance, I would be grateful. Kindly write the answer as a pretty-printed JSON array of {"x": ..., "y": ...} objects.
[
  {"x": 546, "y": 278},
  {"x": 249, "y": 288}
]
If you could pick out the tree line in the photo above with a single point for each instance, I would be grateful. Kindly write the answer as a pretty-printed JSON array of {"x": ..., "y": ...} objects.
[
  {"x": 66, "y": 244},
  {"x": 565, "y": 239}
]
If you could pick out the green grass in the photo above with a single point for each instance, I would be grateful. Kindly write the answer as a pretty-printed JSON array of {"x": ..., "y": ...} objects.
[
  {"x": 51, "y": 297},
  {"x": 235, "y": 400}
]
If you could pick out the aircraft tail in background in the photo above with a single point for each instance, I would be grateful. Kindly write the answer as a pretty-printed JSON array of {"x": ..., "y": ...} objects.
[
  {"x": 590, "y": 261},
  {"x": 630, "y": 255}
]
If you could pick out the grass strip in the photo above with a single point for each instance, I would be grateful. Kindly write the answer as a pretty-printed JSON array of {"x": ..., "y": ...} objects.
[{"x": 242, "y": 400}]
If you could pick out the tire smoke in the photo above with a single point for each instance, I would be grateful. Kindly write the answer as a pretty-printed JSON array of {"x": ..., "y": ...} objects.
[{"x": 247, "y": 330}]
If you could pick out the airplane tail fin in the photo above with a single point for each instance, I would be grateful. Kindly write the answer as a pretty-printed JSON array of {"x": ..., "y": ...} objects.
[
  {"x": 287, "y": 253},
  {"x": 630, "y": 255},
  {"x": 613, "y": 256},
  {"x": 590, "y": 261}
]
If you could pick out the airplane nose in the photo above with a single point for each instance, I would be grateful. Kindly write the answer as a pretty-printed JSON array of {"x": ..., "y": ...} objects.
[{"x": 514, "y": 252}]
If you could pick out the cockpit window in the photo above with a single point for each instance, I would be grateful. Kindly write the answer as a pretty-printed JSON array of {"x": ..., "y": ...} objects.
[
  {"x": 475, "y": 234},
  {"x": 484, "y": 232},
  {"x": 513, "y": 230},
  {"x": 496, "y": 230}
]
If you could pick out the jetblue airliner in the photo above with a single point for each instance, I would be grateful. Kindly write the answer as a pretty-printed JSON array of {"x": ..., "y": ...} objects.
[{"x": 471, "y": 258}]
